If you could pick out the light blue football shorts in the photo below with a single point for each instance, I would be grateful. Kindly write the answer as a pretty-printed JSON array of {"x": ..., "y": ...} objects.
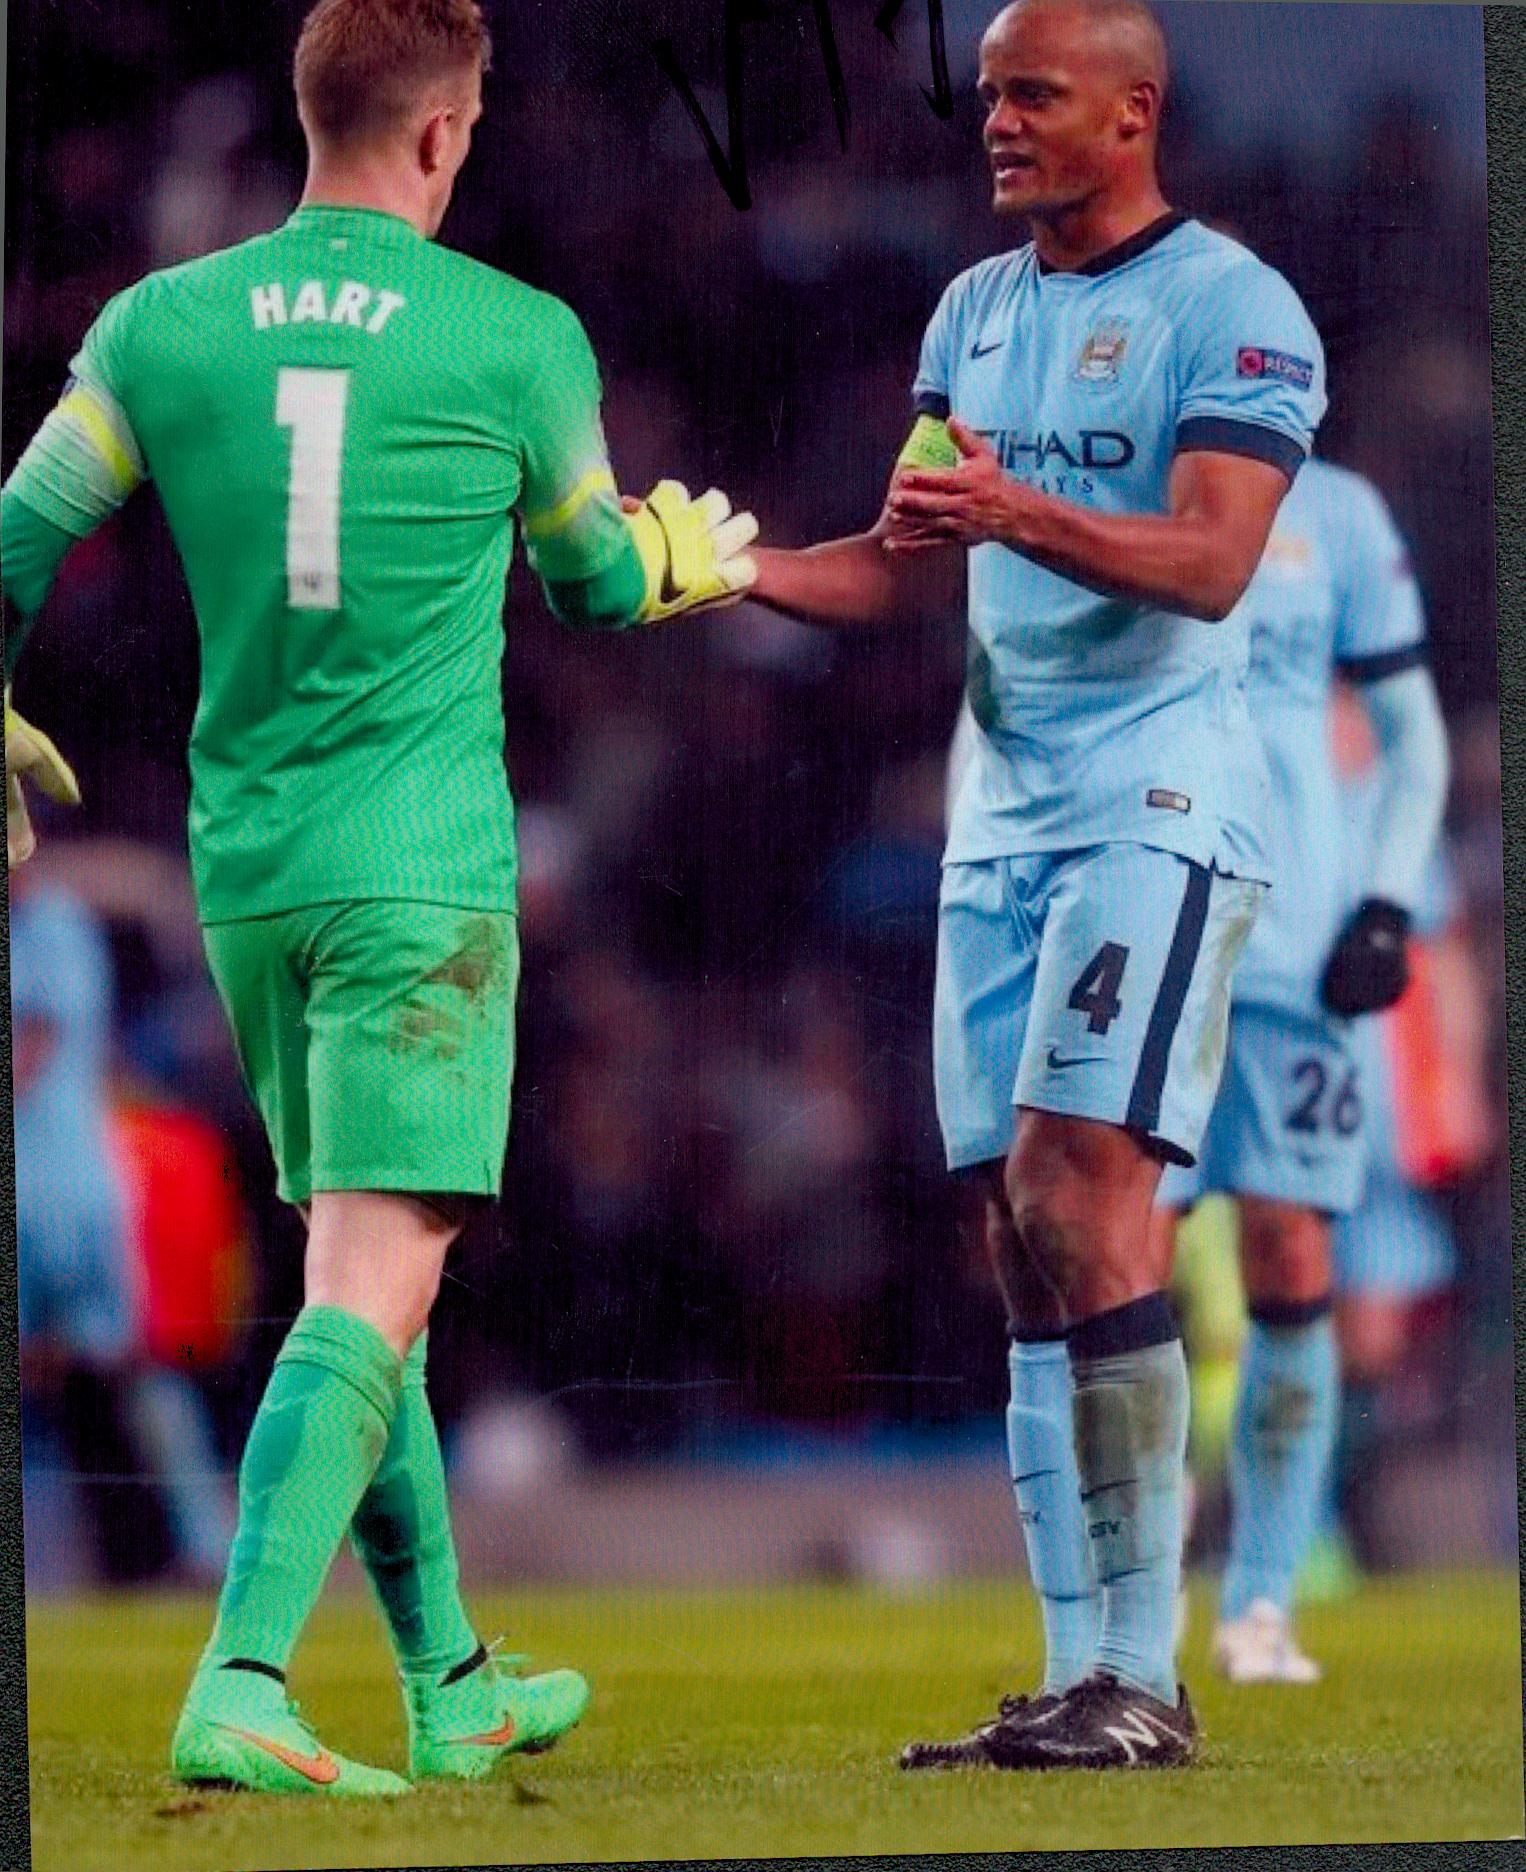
[
  {"x": 1288, "y": 1123},
  {"x": 1093, "y": 983},
  {"x": 1398, "y": 1242}
]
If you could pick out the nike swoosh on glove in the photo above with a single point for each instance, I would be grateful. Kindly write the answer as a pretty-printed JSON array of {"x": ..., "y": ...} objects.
[{"x": 693, "y": 551}]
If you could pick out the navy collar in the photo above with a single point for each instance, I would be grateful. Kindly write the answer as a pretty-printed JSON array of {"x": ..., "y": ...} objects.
[{"x": 1126, "y": 250}]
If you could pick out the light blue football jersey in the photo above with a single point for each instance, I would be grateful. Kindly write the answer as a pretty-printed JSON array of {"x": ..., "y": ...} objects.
[
  {"x": 1104, "y": 719},
  {"x": 1334, "y": 594}
]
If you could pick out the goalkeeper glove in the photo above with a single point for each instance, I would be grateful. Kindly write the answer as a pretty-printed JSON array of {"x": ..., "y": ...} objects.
[
  {"x": 30, "y": 755},
  {"x": 692, "y": 551},
  {"x": 1368, "y": 968}
]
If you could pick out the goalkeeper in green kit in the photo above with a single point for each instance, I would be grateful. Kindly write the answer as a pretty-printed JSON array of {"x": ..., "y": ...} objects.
[{"x": 343, "y": 421}]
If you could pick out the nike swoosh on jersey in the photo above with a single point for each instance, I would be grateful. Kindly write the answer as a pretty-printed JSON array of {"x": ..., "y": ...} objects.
[
  {"x": 978, "y": 350},
  {"x": 321, "y": 1769}
]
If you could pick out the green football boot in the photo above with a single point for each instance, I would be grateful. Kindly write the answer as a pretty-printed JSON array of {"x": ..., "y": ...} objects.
[
  {"x": 240, "y": 1730},
  {"x": 460, "y": 1725}
]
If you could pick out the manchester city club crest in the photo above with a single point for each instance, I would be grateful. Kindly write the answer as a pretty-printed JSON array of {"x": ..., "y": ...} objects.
[{"x": 1102, "y": 355}]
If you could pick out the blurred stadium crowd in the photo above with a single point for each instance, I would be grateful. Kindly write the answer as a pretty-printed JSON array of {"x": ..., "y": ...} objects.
[{"x": 726, "y": 1209}]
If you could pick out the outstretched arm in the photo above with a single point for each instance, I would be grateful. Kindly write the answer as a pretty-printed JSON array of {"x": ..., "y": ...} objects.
[
  {"x": 1197, "y": 558},
  {"x": 607, "y": 563},
  {"x": 855, "y": 581},
  {"x": 860, "y": 580}
]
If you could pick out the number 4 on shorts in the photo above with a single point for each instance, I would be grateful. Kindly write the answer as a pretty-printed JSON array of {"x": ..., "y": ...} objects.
[{"x": 1096, "y": 991}]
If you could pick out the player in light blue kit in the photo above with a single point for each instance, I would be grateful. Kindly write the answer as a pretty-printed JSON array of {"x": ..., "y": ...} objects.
[
  {"x": 1333, "y": 597},
  {"x": 1108, "y": 419},
  {"x": 73, "y": 1282},
  {"x": 71, "y": 1224},
  {"x": 1427, "y": 1124}
]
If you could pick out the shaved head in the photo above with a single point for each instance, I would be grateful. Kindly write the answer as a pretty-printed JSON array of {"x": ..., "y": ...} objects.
[{"x": 1124, "y": 34}]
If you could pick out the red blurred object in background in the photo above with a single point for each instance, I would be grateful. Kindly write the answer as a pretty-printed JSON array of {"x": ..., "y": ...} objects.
[
  {"x": 189, "y": 1232},
  {"x": 1441, "y": 1112}
]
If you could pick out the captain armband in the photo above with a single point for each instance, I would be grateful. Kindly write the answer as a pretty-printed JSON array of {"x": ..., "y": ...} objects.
[
  {"x": 82, "y": 463},
  {"x": 929, "y": 445}
]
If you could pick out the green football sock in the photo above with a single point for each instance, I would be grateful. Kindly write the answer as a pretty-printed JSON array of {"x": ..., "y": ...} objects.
[
  {"x": 321, "y": 1429},
  {"x": 403, "y": 1536}
]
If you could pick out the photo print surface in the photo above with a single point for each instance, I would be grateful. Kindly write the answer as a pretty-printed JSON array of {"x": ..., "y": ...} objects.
[{"x": 756, "y": 930}]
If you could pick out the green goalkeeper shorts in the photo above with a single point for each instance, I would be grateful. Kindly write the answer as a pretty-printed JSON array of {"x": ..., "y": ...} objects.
[{"x": 378, "y": 1040}]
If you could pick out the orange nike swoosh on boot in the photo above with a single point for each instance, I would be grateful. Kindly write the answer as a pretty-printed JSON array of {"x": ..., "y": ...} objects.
[
  {"x": 495, "y": 1738},
  {"x": 321, "y": 1768}
]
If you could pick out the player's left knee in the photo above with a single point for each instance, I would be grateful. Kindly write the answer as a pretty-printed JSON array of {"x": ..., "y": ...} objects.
[
  {"x": 1051, "y": 1208},
  {"x": 379, "y": 1256},
  {"x": 1285, "y": 1251}
]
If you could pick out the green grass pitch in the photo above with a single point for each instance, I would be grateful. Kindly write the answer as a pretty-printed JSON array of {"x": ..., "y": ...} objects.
[{"x": 762, "y": 1723}]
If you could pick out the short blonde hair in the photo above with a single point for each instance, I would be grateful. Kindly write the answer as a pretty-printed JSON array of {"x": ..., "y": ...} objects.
[{"x": 362, "y": 66}]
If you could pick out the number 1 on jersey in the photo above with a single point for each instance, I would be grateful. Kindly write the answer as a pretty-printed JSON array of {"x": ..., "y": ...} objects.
[{"x": 312, "y": 403}]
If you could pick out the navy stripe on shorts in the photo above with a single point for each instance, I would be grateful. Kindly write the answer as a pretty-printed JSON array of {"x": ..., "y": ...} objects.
[{"x": 1171, "y": 998}]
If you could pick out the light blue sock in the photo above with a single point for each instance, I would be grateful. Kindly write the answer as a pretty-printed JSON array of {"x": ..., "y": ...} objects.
[
  {"x": 1279, "y": 1457},
  {"x": 1328, "y": 1523},
  {"x": 1042, "y": 1447},
  {"x": 1131, "y": 1404}
]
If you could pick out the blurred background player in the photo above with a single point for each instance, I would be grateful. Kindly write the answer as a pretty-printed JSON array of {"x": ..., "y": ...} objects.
[
  {"x": 190, "y": 1232},
  {"x": 1427, "y": 1129},
  {"x": 1334, "y": 597},
  {"x": 343, "y": 420},
  {"x": 76, "y": 1301},
  {"x": 1108, "y": 419},
  {"x": 132, "y": 1250},
  {"x": 187, "y": 1244}
]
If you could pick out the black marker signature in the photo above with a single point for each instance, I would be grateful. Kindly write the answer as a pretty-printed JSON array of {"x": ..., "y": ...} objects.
[
  {"x": 941, "y": 97},
  {"x": 730, "y": 163}
]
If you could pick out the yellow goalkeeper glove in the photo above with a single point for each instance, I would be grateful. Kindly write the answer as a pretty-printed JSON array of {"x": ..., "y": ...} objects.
[
  {"x": 693, "y": 551},
  {"x": 30, "y": 755}
]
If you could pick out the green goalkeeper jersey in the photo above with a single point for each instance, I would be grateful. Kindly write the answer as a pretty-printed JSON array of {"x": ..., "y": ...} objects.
[{"x": 343, "y": 420}]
